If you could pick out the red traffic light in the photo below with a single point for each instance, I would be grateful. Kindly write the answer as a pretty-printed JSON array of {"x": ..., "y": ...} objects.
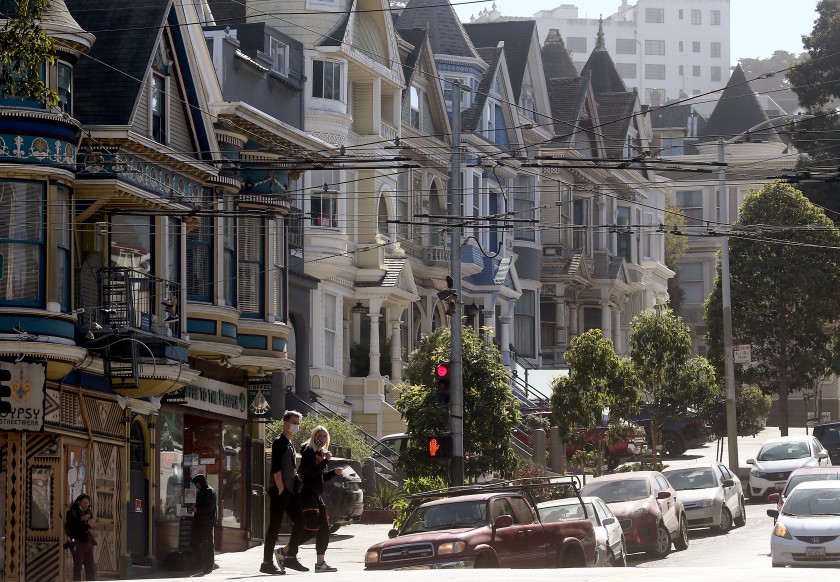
[{"x": 442, "y": 370}]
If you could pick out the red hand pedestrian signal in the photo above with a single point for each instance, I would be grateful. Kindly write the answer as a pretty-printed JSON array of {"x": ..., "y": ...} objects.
[
  {"x": 440, "y": 446},
  {"x": 434, "y": 447}
]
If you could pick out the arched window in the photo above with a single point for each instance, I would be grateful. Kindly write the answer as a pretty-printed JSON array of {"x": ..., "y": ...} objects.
[{"x": 382, "y": 217}]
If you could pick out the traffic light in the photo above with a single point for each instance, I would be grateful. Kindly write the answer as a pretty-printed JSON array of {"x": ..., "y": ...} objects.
[
  {"x": 442, "y": 378},
  {"x": 449, "y": 296},
  {"x": 439, "y": 446},
  {"x": 5, "y": 391}
]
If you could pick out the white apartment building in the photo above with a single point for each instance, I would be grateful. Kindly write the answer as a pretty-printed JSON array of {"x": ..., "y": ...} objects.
[{"x": 662, "y": 48}]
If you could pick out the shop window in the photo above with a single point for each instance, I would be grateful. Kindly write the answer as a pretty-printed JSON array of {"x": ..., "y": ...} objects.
[
  {"x": 231, "y": 478},
  {"x": 171, "y": 430},
  {"x": 22, "y": 243},
  {"x": 41, "y": 498}
]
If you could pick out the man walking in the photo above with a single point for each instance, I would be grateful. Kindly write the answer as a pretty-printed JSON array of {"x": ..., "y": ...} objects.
[
  {"x": 204, "y": 521},
  {"x": 282, "y": 489}
]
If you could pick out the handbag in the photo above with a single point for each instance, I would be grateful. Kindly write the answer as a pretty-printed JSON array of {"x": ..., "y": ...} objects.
[{"x": 311, "y": 519}]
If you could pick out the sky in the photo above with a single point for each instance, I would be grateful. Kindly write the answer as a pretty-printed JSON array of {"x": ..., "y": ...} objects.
[{"x": 758, "y": 28}]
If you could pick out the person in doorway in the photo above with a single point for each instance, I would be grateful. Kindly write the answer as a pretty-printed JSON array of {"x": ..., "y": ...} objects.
[
  {"x": 204, "y": 522},
  {"x": 315, "y": 457},
  {"x": 78, "y": 527},
  {"x": 282, "y": 490}
]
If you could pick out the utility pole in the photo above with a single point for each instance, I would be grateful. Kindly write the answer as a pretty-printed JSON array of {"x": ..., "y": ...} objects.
[
  {"x": 728, "y": 361},
  {"x": 456, "y": 408}
]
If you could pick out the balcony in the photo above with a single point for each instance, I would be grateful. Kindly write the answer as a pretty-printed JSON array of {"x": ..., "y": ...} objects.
[{"x": 132, "y": 299}]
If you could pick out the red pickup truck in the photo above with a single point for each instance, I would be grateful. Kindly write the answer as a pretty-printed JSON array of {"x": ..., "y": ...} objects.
[{"x": 496, "y": 528}]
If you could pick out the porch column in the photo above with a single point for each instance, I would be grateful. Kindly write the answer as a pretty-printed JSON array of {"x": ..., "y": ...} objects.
[
  {"x": 560, "y": 323},
  {"x": 375, "y": 306},
  {"x": 606, "y": 320},
  {"x": 345, "y": 324},
  {"x": 573, "y": 322},
  {"x": 618, "y": 340},
  {"x": 357, "y": 327},
  {"x": 377, "y": 106},
  {"x": 396, "y": 350},
  {"x": 504, "y": 322}
]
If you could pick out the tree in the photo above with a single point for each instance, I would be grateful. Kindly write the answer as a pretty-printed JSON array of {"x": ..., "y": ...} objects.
[
  {"x": 342, "y": 434},
  {"x": 598, "y": 381},
  {"x": 675, "y": 247},
  {"x": 765, "y": 77},
  {"x": 672, "y": 380},
  {"x": 752, "y": 405},
  {"x": 24, "y": 49},
  {"x": 490, "y": 412},
  {"x": 783, "y": 281}
]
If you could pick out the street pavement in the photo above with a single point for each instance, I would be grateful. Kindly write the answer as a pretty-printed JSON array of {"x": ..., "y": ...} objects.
[{"x": 743, "y": 553}]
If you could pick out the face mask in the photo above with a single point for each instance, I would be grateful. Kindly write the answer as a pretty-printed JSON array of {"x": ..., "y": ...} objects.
[
  {"x": 319, "y": 442},
  {"x": 294, "y": 428}
]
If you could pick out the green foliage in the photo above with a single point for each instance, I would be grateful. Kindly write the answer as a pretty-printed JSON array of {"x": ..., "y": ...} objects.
[
  {"x": 783, "y": 294},
  {"x": 777, "y": 85},
  {"x": 752, "y": 405},
  {"x": 342, "y": 434},
  {"x": 24, "y": 49},
  {"x": 385, "y": 496},
  {"x": 489, "y": 410},
  {"x": 675, "y": 247},
  {"x": 404, "y": 506},
  {"x": 673, "y": 381},
  {"x": 646, "y": 465},
  {"x": 534, "y": 421},
  {"x": 360, "y": 359}
]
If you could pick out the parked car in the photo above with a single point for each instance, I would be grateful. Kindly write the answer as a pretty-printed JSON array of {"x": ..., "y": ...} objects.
[
  {"x": 496, "y": 528},
  {"x": 650, "y": 513},
  {"x": 711, "y": 495},
  {"x": 779, "y": 457},
  {"x": 388, "y": 449},
  {"x": 343, "y": 494},
  {"x": 609, "y": 539},
  {"x": 677, "y": 434},
  {"x": 806, "y": 528},
  {"x": 803, "y": 475},
  {"x": 828, "y": 433}
]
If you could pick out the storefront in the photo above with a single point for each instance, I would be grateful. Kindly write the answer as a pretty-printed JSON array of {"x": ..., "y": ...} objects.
[{"x": 202, "y": 430}]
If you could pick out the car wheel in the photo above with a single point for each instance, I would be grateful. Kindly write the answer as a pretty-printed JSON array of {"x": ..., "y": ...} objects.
[
  {"x": 622, "y": 561},
  {"x": 681, "y": 543},
  {"x": 485, "y": 561},
  {"x": 611, "y": 560},
  {"x": 573, "y": 558},
  {"x": 672, "y": 445},
  {"x": 663, "y": 542},
  {"x": 725, "y": 520},
  {"x": 741, "y": 520}
]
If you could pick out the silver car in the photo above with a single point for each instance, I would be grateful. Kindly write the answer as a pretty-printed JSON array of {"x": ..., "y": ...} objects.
[
  {"x": 779, "y": 457},
  {"x": 806, "y": 528},
  {"x": 610, "y": 549},
  {"x": 711, "y": 494}
]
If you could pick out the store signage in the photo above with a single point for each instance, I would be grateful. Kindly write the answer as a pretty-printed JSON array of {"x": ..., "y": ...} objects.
[
  {"x": 215, "y": 396},
  {"x": 258, "y": 402},
  {"x": 22, "y": 396}
]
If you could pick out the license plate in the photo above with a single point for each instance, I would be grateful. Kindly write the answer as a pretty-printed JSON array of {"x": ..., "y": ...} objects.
[
  {"x": 779, "y": 486},
  {"x": 817, "y": 552}
]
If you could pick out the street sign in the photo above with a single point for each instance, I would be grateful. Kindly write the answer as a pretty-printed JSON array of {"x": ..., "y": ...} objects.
[{"x": 742, "y": 354}]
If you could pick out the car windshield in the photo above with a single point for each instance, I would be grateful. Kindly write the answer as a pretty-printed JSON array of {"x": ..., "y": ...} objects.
[
  {"x": 386, "y": 448},
  {"x": 797, "y": 479},
  {"x": 469, "y": 514},
  {"x": 829, "y": 436},
  {"x": 782, "y": 451},
  {"x": 813, "y": 502},
  {"x": 617, "y": 491},
  {"x": 566, "y": 512},
  {"x": 691, "y": 479}
]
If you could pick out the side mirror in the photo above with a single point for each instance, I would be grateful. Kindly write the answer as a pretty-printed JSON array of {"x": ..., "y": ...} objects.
[
  {"x": 392, "y": 533},
  {"x": 822, "y": 455},
  {"x": 750, "y": 461},
  {"x": 503, "y": 521},
  {"x": 608, "y": 521},
  {"x": 728, "y": 482},
  {"x": 773, "y": 498},
  {"x": 663, "y": 495},
  {"x": 774, "y": 513}
]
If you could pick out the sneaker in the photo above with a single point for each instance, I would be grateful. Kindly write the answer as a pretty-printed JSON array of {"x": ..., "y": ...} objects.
[
  {"x": 324, "y": 567},
  {"x": 280, "y": 556},
  {"x": 292, "y": 563},
  {"x": 269, "y": 568}
]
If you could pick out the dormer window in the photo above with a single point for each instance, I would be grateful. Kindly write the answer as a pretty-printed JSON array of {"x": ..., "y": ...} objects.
[
  {"x": 159, "y": 108},
  {"x": 279, "y": 54},
  {"x": 326, "y": 80},
  {"x": 415, "y": 107},
  {"x": 64, "y": 88}
]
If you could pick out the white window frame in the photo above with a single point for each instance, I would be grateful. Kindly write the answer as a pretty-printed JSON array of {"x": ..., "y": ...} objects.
[
  {"x": 340, "y": 88},
  {"x": 655, "y": 47},
  {"x": 331, "y": 303},
  {"x": 576, "y": 44},
  {"x": 625, "y": 46},
  {"x": 165, "y": 109},
  {"x": 696, "y": 70},
  {"x": 716, "y": 74},
  {"x": 697, "y": 17},
  {"x": 655, "y": 15},
  {"x": 415, "y": 113},
  {"x": 627, "y": 70},
  {"x": 281, "y": 68},
  {"x": 695, "y": 46},
  {"x": 693, "y": 212},
  {"x": 714, "y": 18},
  {"x": 655, "y": 71},
  {"x": 690, "y": 280},
  {"x": 715, "y": 50}
]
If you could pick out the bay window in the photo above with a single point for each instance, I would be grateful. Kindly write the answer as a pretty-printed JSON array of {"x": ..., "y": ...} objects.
[
  {"x": 22, "y": 243},
  {"x": 251, "y": 271},
  {"x": 326, "y": 80}
]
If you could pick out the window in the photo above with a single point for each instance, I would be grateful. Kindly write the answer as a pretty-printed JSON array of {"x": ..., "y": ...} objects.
[
  {"x": 624, "y": 240},
  {"x": 229, "y": 246},
  {"x": 654, "y": 71},
  {"x": 279, "y": 55},
  {"x": 691, "y": 282},
  {"x": 402, "y": 198},
  {"x": 655, "y": 97},
  {"x": 591, "y": 318},
  {"x": 171, "y": 429},
  {"x": 159, "y": 109},
  {"x": 715, "y": 17},
  {"x": 673, "y": 146},
  {"x": 548, "y": 324},
  {"x": 626, "y": 70},
  {"x": 647, "y": 244},
  {"x": 330, "y": 329},
  {"x": 680, "y": 71},
  {"x": 565, "y": 199},
  {"x": 382, "y": 226},
  {"x": 326, "y": 80},
  {"x": 691, "y": 205},
  {"x": 465, "y": 95},
  {"x": 695, "y": 71},
  {"x": 655, "y": 15},
  {"x": 523, "y": 206},
  {"x": 414, "y": 98},
  {"x": 625, "y": 46},
  {"x": 680, "y": 12},
  {"x": 654, "y": 47},
  {"x": 231, "y": 492},
  {"x": 695, "y": 47},
  {"x": 476, "y": 203},
  {"x": 696, "y": 17},
  {"x": 61, "y": 226},
  {"x": 681, "y": 46},
  {"x": 716, "y": 74},
  {"x": 576, "y": 44},
  {"x": 132, "y": 242},
  {"x": 580, "y": 217},
  {"x": 200, "y": 253},
  {"x": 251, "y": 271},
  {"x": 65, "y": 88},
  {"x": 524, "y": 330},
  {"x": 324, "y": 199},
  {"x": 715, "y": 48}
]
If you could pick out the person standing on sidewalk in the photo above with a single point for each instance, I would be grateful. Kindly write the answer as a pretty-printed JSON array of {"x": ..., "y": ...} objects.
[
  {"x": 204, "y": 522},
  {"x": 315, "y": 457},
  {"x": 282, "y": 490},
  {"x": 78, "y": 525}
]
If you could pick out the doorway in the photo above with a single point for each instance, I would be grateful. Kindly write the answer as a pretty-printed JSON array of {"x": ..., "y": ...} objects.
[{"x": 138, "y": 510}]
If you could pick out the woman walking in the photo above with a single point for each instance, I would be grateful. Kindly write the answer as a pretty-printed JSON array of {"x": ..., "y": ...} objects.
[
  {"x": 314, "y": 459},
  {"x": 78, "y": 526}
]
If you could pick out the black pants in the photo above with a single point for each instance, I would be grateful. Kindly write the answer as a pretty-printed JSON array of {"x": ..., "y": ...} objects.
[
  {"x": 203, "y": 546},
  {"x": 278, "y": 505},
  {"x": 301, "y": 535}
]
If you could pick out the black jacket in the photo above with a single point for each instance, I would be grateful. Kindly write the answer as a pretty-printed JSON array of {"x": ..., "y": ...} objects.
[
  {"x": 205, "y": 506},
  {"x": 312, "y": 472},
  {"x": 75, "y": 528}
]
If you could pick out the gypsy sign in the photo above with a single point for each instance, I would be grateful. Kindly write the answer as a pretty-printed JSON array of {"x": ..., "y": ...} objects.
[{"x": 22, "y": 395}]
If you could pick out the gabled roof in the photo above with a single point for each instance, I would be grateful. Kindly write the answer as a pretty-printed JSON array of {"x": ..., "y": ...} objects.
[
  {"x": 102, "y": 96},
  {"x": 472, "y": 116},
  {"x": 557, "y": 62},
  {"x": 566, "y": 97},
  {"x": 335, "y": 37},
  {"x": 737, "y": 110},
  {"x": 414, "y": 37},
  {"x": 516, "y": 35},
  {"x": 605, "y": 77},
  {"x": 615, "y": 110},
  {"x": 446, "y": 33}
]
